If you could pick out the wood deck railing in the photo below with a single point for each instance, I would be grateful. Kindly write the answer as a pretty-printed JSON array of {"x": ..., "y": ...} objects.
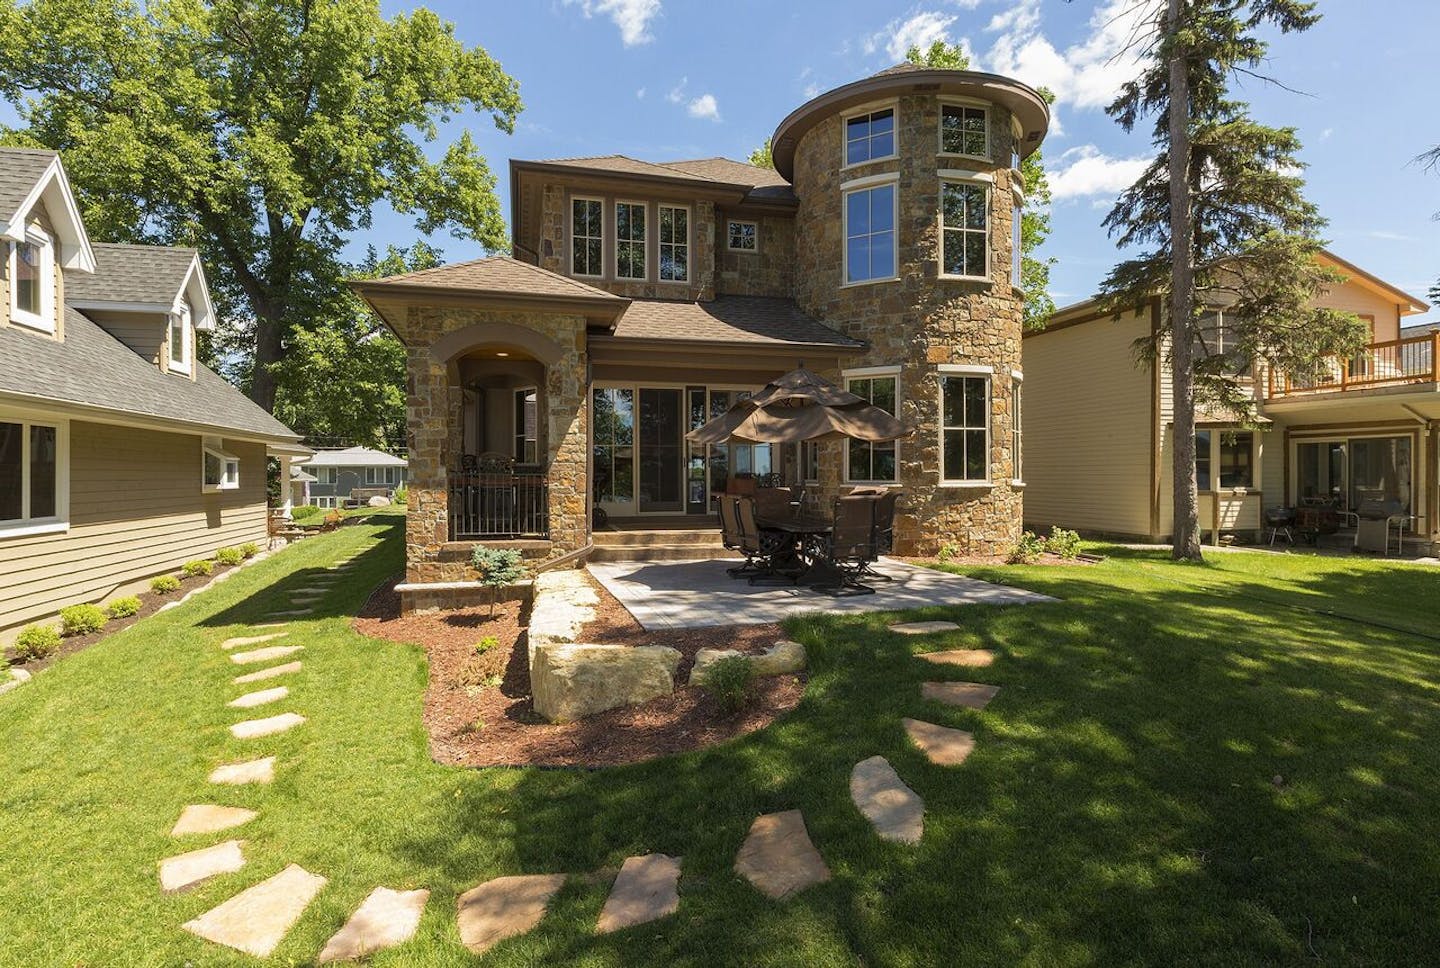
[
  {"x": 1396, "y": 362},
  {"x": 495, "y": 506}
]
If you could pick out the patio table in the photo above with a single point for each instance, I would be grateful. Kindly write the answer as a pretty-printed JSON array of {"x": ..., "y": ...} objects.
[{"x": 804, "y": 530}]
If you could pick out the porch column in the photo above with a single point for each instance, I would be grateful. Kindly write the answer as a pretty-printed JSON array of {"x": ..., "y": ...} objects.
[
  {"x": 287, "y": 490},
  {"x": 428, "y": 411},
  {"x": 568, "y": 446}
]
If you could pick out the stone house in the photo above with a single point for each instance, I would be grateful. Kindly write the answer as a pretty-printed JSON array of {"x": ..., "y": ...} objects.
[{"x": 645, "y": 297}]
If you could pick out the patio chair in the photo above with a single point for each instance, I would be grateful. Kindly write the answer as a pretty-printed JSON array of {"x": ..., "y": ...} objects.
[
  {"x": 759, "y": 546},
  {"x": 730, "y": 535},
  {"x": 773, "y": 502},
  {"x": 851, "y": 548},
  {"x": 884, "y": 531}
]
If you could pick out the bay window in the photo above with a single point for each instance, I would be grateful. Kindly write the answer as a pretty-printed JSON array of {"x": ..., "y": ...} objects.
[
  {"x": 965, "y": 229},
  {"x": 33, "y": 476},
  {"x": 964, "y": 428},
  {"x": 220, "y": 469}
]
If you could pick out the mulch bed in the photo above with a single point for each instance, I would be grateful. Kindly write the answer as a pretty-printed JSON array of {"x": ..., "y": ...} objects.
[
  {"x": 150, "y": 603},
  {"x": 478, "y": 708}
]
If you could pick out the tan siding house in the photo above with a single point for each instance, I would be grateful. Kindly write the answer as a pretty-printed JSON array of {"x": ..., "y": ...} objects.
[{"x": 121, "y": 456}]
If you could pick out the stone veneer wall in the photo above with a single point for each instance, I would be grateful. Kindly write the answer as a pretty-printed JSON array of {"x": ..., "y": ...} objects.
[
  {"x": 921, "y": 320},
  {"x": 769, "y": 271},
  {"x": 433, "y": 407}
]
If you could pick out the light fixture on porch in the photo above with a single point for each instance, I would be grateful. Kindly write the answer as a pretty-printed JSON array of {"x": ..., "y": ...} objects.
[{"x": 502, "y": 353}]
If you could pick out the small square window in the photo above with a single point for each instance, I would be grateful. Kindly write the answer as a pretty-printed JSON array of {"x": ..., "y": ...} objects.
[
  {"x": 742, "y": 236},
  {"x": 870, "y": 137},
  {"x": 220, "y": 469},
  {"x": 964, "y": 130}
]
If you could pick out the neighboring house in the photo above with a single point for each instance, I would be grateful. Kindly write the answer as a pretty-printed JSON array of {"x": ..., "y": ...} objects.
[
  {"x": 338, "y": 472},
  {"x": 121, "y": 456},
  {"x": 646, "y": 297},
  {"x": 300, "y": 487},
  {"x": 1100, "y": 427}
]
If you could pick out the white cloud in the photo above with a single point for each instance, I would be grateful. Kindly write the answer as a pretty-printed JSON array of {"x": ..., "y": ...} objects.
[
  {"x": 1388, "y": 236},
  {"x": 677, "y": 93},
  {"x": 640, "y": 94},
  {"x": 811, "y": 90},
  {"x": 1087, "y": 171},
  {"x": 631, "y": 16},
  {"x": 704, "y": 107},
  {"x": 918, "y": 30}
]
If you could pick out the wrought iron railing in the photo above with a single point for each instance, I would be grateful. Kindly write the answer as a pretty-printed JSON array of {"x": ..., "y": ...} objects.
[
  {"x": 487, "y": 506},
  {"x": 1392, "y": 363}
]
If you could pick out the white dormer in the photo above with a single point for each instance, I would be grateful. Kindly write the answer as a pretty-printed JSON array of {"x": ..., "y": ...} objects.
[
  {"x": 51, "y": 192},
  {"x": 181, "y": 340}
]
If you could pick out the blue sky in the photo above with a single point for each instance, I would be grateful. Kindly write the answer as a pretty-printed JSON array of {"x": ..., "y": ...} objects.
[{"x": 668, "y": 79}]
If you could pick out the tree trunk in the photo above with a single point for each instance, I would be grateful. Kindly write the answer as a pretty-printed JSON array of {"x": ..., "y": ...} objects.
[
  {"x": 267, "y": 350},
  {"x": 1186, "y": 545}
]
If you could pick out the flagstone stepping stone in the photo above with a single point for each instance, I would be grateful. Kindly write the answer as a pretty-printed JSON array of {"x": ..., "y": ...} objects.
[
  {"x": 895, "y": 811},
  {"x": 207, "y": 818},
  {"x": 251, "y": 771},
  {"x": 257, "y": 919},
  {"x": 646, "y": 890},
  {"x": 504, "y": 907},
  {"x": 941, "y": 744},
  {"x": 923, "y": 628},
  {"x": 971, "y": 695},
  {"x": 385, "y": 918},
  {"x": 229, "y": 644},
  {"x": 293, "y": 613},
  {"x": 269, "y": 673},
  {"x": 778, "y": 857},
  {"x": 254, "y": 728},
  {"x": 252, "y": 699},
  {"x": 270, "y": 625},
  {"x": 265, "y": 654},
  {"x": 961, "y": 657},
  {"x": 186, "y": 870}
]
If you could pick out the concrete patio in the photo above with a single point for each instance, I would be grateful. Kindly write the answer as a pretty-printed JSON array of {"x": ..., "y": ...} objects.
[{"x": 696, "y": 594}]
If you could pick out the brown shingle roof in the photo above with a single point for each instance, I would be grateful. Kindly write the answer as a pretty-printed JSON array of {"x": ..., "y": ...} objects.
[
  {"x": 496, "y": 274},
  {"x": 729, "y": 171},
  {"x": 142, "y": 274},
  {"x": 728, "y": 319},
  {"x": 762, "y": 182}
]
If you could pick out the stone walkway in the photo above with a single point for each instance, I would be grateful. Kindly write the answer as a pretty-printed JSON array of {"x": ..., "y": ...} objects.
[{"x": 646, "y": 889}]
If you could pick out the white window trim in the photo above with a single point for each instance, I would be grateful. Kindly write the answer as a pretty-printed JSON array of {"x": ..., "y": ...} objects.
[
  {"x": 228, "y": 482},
  {"x": 961, "y": 102},
  {"x": 187, "y": 341},
  {"x": 659, "y": 207},
  {"x": 1017, "y": 428},
  {"x": 862, "y": 185},
  {"x": 615, "y": 233},
  {"x": 988, "y": 374},
  {"x": 953, "y": 176},
  {"x": 570, "y": 236},
  {"x": 44, "y": 321},
  {"x": 857, "y": 111},
  {"x": 59, "y": 522},
  {"x": 870, "y": 373},
  {"x": 742, "y": 221}
]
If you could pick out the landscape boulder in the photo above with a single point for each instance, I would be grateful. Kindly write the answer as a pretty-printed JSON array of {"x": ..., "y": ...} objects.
[
  {"x": 570, "y": 682},
  {"x": 780, "y": 659}
]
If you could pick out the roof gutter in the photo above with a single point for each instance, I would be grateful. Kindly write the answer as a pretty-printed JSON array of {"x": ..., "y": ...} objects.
[{"x": 143, "y": 421}]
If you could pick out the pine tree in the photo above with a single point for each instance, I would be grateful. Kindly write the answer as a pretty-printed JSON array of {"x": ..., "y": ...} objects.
[
  {"x": 1431, "y": 161},
  {"x": 1223, "y": 218}
]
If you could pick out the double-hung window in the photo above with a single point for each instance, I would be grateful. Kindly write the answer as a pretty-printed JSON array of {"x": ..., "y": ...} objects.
[
  {"x": 964, "y": 428},
  {"x": 629, "y": 240},
  {"x": 33, "y": 476},
  {"x": 181, "y": 348},
  {"x": 964, "y": 229},
  {"x": 964, "y": 130},
  {"x": 527, "y": 425},
  {"x": 220, "y": 469},
  {"x": 742, "y": 236},
  {"x": 870, "y": 137},
  {"x": 674, "y": 243},
  {"x": 1017, "y": 440},
  {"x": 1237, "y": 452},
  {"x": 32, "y": 286},
  {"x": 1202, "y": 460},
  {"x": 870, "y": 233},
  {"x": 869, "y": 463},
  {"x": 1017, "y": 244},
  {"x": 587, "y": 245}
]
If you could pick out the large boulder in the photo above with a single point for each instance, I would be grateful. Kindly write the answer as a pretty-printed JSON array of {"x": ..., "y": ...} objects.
[
  {"x": 573, "y": 681},
  {"x": 563, "y": 603},
  {"x": 780, "y": 659},
  {"x": 379, "y": 501}
]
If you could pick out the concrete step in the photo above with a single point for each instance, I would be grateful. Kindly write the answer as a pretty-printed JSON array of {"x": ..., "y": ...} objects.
[
  {"x": 688, "y": 552},
  {"x": 705, "y": 538}
]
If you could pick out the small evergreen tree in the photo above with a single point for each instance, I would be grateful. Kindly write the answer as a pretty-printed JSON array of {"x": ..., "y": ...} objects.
[{"x": 1431, "y": 161}]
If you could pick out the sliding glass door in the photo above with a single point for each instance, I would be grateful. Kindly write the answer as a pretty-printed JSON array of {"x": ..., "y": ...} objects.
[
  {"x": 661, "y": 434},
  {"x": 1351, "y": 470}
]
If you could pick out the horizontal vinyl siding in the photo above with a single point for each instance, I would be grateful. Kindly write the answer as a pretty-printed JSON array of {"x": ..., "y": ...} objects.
[
  {"x": 145, "y": 333},
  {"x": 136, "y": 510},
  {"x": 1087, "y": 428}
]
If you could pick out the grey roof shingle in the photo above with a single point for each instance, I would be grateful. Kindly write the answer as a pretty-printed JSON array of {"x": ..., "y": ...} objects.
[
  {"x": 20, "y": 169},
  {"x": 140, "y": 274},
  {"x": 755, "y": 320},
  {"x": 354, "y": 457},
  {"x": 92, "y": 368}
]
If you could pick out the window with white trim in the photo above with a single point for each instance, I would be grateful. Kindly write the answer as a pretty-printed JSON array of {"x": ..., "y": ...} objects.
[
  {"x": 964, "y": 130},
  {"x": 324, "y": 502},
  {"x": 872, "y": 463},
  {"x": 1017, "y": 441},
  {"x": 1017, "y": 244},
  {"x": 326, "y": 475},
  {"x": 382, "y": 475},
  {"x": 742, "y": 236},
  {"x": 220, "y": 469},
  {"x": 629, "y": 240},
  {"x": 674, "y": 243},
  {"x": 34, "y": 473},
  {"x": 587, "y": 243},
  {"x": 870, "y": 136},
  {"x": 181, "y": 340},
  {"x": 964, "y": 428},
  {"x": 964, "y": 228},
  {"x": 527, "y": 426},
  {"x": 870, "y": 233},
  {"x": 32, "y": 281}
]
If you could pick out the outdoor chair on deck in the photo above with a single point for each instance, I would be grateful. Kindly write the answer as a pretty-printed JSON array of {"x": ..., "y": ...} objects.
[
  {"x": 759, "y": 546},
  {"x": 731, "y": 536},
  {"x": 852, "y": 545},
  {"x": 884, "y": 531}
]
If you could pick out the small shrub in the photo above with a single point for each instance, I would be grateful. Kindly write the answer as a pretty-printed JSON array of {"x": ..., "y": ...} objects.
[
  {"x": 730, "y": 682},
  {"x": 1064, "y": 543},
  {"x": 333, "y": 519},
  {"x": 1028, "y": 549},
  {"x": 486, "y": 644},
  {"x": 249, "y": 549},
  {"x": 496, "y": 568},
  {"x": 948, "y": 551},
  {"x": 229, "y": 556},
  {"x": 36, "y": 642},
  {"x": 123, "y": 607},
  {"x": 197, "y": 568},
  {"x": 82, "y": 619},
  {"x": 304, "y": 511},
  {"x": 164, "y": 584},
  {"x": 402, "y": 494}
]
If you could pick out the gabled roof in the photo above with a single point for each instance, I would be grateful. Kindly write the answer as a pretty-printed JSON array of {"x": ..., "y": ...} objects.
[
  {"x": 92, "y": 369},
  {"x": 30, "y": 176},
  {"x": 721, "y": 173},
  {"x": 492, "y": 275},
  {"x": 1409, "y": 305},
  {"x": 354, "y": 457},
  {"x": 748, "y": 320},
  {"x": 144, "y": 278}
]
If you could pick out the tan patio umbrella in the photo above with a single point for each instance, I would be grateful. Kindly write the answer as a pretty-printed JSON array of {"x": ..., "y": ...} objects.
[{"x": 800, "y": 406}]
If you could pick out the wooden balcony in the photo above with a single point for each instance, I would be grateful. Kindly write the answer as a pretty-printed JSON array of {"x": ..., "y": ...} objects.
[{"x": 1399, "y": 362}]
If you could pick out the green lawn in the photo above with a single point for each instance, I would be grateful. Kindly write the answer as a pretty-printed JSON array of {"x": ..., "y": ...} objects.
[{"x": 1120, "y": 807}]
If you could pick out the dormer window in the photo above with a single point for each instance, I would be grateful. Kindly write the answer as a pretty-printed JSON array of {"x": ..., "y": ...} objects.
[
  {"x": 32, "y": 289},
  {"x": 964, "y": 130},
  {"x": 181, "y": 340}
]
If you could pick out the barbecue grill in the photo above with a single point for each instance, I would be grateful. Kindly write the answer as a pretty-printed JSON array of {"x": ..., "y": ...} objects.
[
  {"x": 1374, "y": 518},
  {"x": 1279, "y": 520}
]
